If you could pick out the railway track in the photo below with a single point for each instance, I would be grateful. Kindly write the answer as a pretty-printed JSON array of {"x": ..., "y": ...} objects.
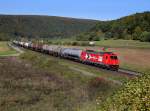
[
  {"x": 129, "y": 72},
  {"x": 120, "y": 71},
  {"x": 123, "y": 72}
]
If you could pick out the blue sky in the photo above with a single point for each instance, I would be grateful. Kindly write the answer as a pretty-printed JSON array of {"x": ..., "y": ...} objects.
[{"x": 90, "y": 9}]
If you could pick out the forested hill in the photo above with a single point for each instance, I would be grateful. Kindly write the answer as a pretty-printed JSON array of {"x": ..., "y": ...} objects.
[
  {"x": 42, "y": 26},
  {"x": 136, "y": 27}
]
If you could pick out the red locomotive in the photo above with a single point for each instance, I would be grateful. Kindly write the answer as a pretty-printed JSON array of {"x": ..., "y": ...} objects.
[
  {"x": 107, "y": 60},
  {"x": 104, "y": 59}
]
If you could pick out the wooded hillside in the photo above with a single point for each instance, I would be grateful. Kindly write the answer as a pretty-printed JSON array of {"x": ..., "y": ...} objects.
[
  {"x": 42, "y": 26},
  {"x": 136, "y": 27}
]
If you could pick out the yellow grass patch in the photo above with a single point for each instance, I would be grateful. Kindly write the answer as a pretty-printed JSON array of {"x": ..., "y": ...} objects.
[{"x": 4, "y": 49}]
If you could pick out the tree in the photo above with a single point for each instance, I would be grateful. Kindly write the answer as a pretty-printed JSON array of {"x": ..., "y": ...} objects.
[
  {"x": 117, "y": 30},
  {"x": 83, "y": 37},
  {"x": 145, "y": 36},
  {"x": 137, "y": 33}
]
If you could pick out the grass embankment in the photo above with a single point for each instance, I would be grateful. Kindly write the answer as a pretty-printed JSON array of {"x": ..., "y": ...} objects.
[
  {"x": 35, "y": 82},
  {"x": 5, "y": 50}
]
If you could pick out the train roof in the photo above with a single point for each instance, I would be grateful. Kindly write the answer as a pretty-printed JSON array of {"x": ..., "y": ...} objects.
[{"x": 95, "y": 52}]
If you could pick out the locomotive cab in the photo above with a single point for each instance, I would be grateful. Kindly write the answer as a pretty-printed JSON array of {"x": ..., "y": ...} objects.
[{"x": 112, "y": 61}]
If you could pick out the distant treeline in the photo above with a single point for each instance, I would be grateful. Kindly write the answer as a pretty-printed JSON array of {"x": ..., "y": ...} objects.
[
  {"x": 12, "y": 26},
  {"x": 134, "y": 27}
]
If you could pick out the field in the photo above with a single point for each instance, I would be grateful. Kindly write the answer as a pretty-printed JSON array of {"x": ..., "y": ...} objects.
[
  {"x": 5, "y": 50},
  {"x": 134, "y": 59},
  {"x": 40, "y": 82}
]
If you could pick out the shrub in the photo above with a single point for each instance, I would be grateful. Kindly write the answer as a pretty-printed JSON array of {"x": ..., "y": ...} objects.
[{"x": 135, "y": 96}]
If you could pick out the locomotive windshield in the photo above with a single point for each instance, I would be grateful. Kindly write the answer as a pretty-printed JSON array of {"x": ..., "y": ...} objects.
[{"x": 113, "y": 57}]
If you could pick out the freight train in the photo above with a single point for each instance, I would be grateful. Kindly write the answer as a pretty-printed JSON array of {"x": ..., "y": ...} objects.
[{"x": 107, "y": 60}]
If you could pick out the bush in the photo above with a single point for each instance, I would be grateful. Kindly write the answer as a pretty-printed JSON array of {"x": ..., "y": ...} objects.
[
  {"x": 74, "y": 43},
  {"x": 135, "y": 96}
]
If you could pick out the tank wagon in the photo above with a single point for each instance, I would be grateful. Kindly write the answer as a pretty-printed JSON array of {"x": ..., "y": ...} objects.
[
  {"x": 71, "y": 53},
  {"x": 107, "y": 60}
]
